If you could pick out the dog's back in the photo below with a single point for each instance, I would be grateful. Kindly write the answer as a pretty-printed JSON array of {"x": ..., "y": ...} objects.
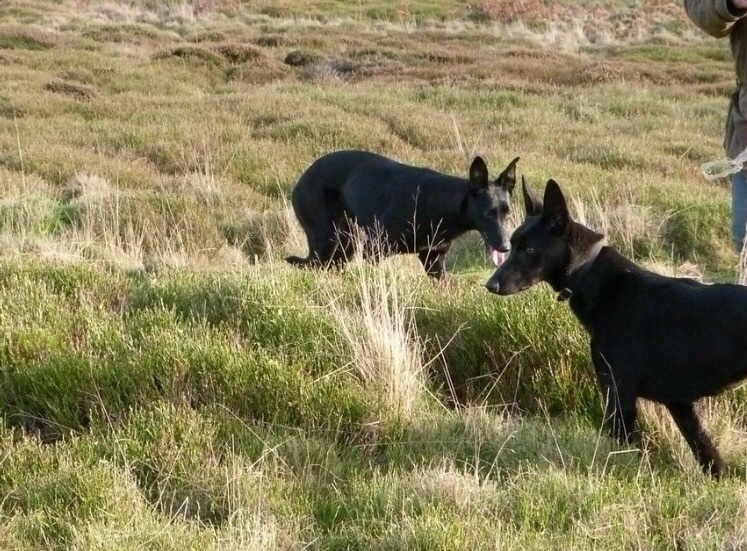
[
  {"x": 678, "y": 338},
  {"x": 363, "y": 176},
  {"x": 394, "y": 195},
  {"x": 330, "y": 172}
]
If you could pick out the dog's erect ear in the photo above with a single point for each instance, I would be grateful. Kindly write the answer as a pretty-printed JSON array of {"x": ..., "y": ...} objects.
[
  {"x": 555, "y": 210},
  {"x": 507, "y": 179},
  {"x": 478, "y": 174},
  {"x": 532, "y": 203}
]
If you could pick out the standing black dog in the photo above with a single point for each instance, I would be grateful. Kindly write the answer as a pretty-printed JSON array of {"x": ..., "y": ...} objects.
[
  {"x": 670, "y": 340},
  {"x": 414, "y": 210}
]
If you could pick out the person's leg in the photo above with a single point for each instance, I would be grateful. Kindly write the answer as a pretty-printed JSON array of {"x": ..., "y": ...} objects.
[{"x": 738, "y": 208}]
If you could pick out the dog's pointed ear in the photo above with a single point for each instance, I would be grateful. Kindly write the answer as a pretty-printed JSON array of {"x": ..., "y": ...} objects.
[
  {"x": 555, "y": 210},
  {"x": 532, "y": 203},
  {"x": 507, "y": 178},
  {"x": 478, "y": 174}
]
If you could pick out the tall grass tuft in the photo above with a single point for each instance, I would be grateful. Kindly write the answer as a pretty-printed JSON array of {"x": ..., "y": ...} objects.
[{"x": 379, "y": 331}]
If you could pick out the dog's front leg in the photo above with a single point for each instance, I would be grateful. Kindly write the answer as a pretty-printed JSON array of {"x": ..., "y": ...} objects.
[
  {"x": 697, "y": 438},
  {"x": 621, "y": 411},
  {"x": 433, "y": 261},
  {"x": 620, "y": 416}
]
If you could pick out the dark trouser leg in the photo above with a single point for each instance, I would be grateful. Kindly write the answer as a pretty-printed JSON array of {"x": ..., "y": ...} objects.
[{"x": 738, "y": 208}]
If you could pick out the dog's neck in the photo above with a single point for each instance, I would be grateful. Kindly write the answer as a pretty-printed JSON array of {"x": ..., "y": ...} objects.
[
  {"x": 585, "y": 247},
  {"x": 464, "y": 204}
]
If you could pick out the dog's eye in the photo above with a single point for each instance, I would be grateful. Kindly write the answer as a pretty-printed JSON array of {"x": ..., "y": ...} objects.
[
  {"x": 529, "y": 251},
  {"x": 504, "y": 210}
]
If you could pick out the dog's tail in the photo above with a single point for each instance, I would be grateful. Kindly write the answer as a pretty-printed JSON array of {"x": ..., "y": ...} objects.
[{"x": 297, "y": 261}]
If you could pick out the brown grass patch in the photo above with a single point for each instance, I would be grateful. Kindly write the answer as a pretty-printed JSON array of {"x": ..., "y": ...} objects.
[
  {"x": 190, "y": 53},
  {"x": 271, "y": 41},
  {"x": 260, "y": 234},
  {"x": 75, "y": 90},
  {"x": 259, "y": 71},
  {"x": 126, "y": 34},
  {"x": 228, "y": 7},
  {"x": 507, "y": 11},
  {"x": 239, "y": 53},
  {"x": 85, "y": 187},
  {"x": 301, "y": 58},
  {"x": 27, "y": 38},
  {"x": 207, "y": 36},
  {"x": 596, "y": 72}
]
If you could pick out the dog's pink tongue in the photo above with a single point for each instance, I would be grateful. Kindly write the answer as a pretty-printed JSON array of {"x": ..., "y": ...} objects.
[{"x": 497, "y": 256}]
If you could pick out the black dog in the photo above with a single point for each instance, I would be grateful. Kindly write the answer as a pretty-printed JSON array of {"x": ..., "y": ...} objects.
[
  {"x": 414, "y": 210},
  {"x": 670, "y": 340}
]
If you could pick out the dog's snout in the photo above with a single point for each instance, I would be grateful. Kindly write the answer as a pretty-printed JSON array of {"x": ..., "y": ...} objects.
[{"x": 504, "y": 248}]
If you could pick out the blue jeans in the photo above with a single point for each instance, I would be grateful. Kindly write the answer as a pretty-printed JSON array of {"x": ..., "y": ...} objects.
[{"x": 738, "y": 208}]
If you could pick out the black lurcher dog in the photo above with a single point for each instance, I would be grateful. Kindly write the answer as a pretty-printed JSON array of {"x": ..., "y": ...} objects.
[
  {"x": 670, "y": 340},
  {"x": 412, "y": 209}
]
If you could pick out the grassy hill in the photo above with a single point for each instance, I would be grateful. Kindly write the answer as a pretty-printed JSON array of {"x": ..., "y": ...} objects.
[{"x": 168, "y": 382}]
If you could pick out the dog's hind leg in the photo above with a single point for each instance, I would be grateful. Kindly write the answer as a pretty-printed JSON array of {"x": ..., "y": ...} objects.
[
  {"x": 343, "y": 245},
  {"x": 697, "y": 438},
  {"x": 321, "y": 215},
  {"x": 376, "y": 244},
  {"x": 308, "y": 226}
]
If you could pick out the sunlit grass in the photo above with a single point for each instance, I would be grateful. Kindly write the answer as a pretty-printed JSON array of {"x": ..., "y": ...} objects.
[{"x": 167, "y": 381}]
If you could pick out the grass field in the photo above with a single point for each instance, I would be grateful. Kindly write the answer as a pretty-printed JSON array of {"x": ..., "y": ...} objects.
[{"x": 168, "y": 382}]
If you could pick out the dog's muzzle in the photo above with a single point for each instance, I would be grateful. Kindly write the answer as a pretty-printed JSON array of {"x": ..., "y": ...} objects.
[
  {"x": 499, "y": 284},
  {"x": 492, "y": 288},
  {"x": 492, "y": 285}
]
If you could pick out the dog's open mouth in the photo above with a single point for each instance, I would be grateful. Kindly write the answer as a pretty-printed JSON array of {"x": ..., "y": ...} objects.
[{"x": 497, "y": 257}]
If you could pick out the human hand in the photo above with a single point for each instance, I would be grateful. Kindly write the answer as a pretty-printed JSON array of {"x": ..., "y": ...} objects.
[{"x": 739, "y": 4}]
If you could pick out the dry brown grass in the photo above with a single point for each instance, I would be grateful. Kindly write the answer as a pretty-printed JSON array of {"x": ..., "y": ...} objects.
[
  {"x": 529, "y": 11},
  {"x": 212, "y": 118}
]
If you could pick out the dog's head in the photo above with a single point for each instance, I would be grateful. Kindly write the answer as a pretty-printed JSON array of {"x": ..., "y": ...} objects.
[
  {"x": 489, "y": 203},
  {"x": 546, "y": 247}
]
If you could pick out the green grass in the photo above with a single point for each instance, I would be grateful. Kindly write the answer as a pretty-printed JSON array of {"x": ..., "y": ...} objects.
[{"x": 168, "y": 382}]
